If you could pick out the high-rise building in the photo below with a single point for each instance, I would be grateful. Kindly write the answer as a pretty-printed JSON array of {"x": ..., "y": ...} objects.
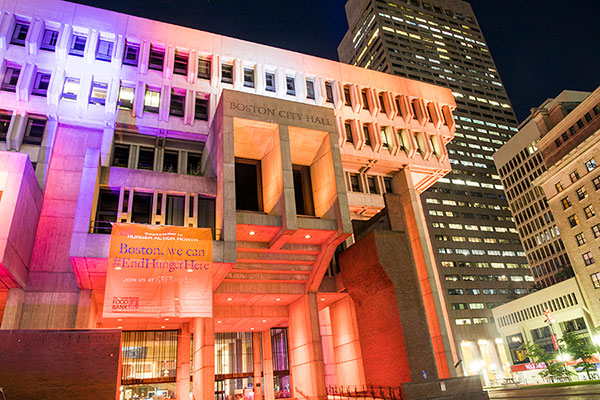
[
  {"x": 519, "y": 162},
  {"x": 571, "y": 183},
  {"x": 479, "y": 254},
  {"x": 119, "y": 134}
]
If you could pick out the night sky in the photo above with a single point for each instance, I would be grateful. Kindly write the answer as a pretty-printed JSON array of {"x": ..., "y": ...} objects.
[{"x": 540, "y": 46}]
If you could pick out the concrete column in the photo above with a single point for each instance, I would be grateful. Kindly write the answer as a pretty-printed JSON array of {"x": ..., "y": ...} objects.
[
  {"x": 85, "y": 318},
  {"x": 306, "y": 354},
  {"x": 204, "y": 359},
  {"x": 346, "y": 345},
  {"x": 13, "y": 308},
  {"x": 257, "y": 366},
  {"x": 183, "y": 363},
  {"x": 415, "y": 226},
  {"x": 269, "y": 388},
  {"x": 328, "y": 352}
]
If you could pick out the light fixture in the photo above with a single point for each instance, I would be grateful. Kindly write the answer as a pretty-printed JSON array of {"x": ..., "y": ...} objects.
[
  {"x": 190, "y": 270},
  {"x": 229, "y": 299},
  {"x": 251, "y": 233},
  {"x": 264, "y": 320},
  {"x": 322, "y": 299},
  {"x": 119, "y": 327},
  {"x": 118, "y": 268},
  {"x": 218, "y": 322},
  {"x": 307, "y": 236},
  {"x": 119, "y": 319},
  {"x": 166, "y": 319},
  {"x": 162, "y": 326},
  {"x": 278, "y": 299},
  {"x": 251, "y": 329},
  {"x": 176, "y": 298}
]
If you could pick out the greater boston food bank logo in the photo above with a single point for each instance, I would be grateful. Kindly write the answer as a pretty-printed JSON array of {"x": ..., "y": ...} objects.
[{"x": 125, "y": 303}]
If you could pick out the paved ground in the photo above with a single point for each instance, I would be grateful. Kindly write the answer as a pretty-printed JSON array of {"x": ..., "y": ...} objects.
[{"x": 584, "y": 392}]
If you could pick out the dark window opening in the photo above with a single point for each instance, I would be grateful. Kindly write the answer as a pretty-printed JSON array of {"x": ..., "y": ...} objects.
[
  {"x": 348, "y": 129},
  {"x": 40, "y": 85},
  {"x": 248, "y": 185},
  {"x": 354, "y": 183},
  {"x": 34, "y": 132},
  {"x": 227, "y": 73},
  {"x": 11, "y": 77},
  {"x": 206, "y": 213},
  {"x": 248, "y": 77},
  {"x": 132, "y": 53},
  {"x": 175, "y": 210},
  {"x": 194, "y": 164},
  {"x": 156, "y": 59},
  {"x": 290, "y": 85},
  {"x": 177, "y": 103},
  {"x": 310, "y": 89},
  {"x": 204, "y": 68},
  {"x": 270, "y": 81},
  {"x": 303, "y": 190},
  {"x": 347, "y": 97},
  {"x": 372, "y": 185},
  {"x": 20, "y": 33},
  {"x": 121, "y": 155},
  {"x": 328, "y": 92},
  {"x": 78, "y": 45},
  {"x": 201, "y": 108},
  {"x": 367, "y": 135},
  {"x": 365, "y": 99},
  {"x": 387, "y": 184},
  {"x": 5, "y": 117},
  {"x": 180, "y": 67},
  {"x": 141, "y": 211},
  {"x": 146, "y": 158},
  {"x": 49, "y": 40},
  {"x": 170, "y": 161},
  {"x": 106, "y": 213}
]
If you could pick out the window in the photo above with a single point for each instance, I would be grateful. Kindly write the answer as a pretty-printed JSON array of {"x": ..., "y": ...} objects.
[
  {"x": 580, "y": 239},
  {"x": 455, "y": 292},
  {"x": 348, "y": 130},
  {"x": 387, "y": 184},
  {"x": 20, "y": 33},
  {"x": 5, "y": 117},
  {"x": 476, "y": 306},
  {"x": 121, "y": 155},
  {"x": 156, "y": 60},
  {"x": 566, "y": 203},
  {"x": 328, "y": 92},
  {"x": 590, "y": 164},
  {"x": 248, "y": 185},
  {"x": 462, "y": 321},
  {"x": 249, "y": 77},
  {"x": 367, "y": 134},
  {"x": 132, "y": 54},
  {"x": 372, "y": 185},
  {"x": 588, "y": 258},
  {"x": 194, "y": 164},
  {"x": 574, "y": 176},
  {"x": 177, "y": 102},
  {"x": 558, "y": 187},
  {"x": 70, "y": 88},
  {"x": 354, "y": 183},
  {"x": 11, "y": 77},
  {"x": 459, "y": 306},
  {"x": 175, "y": 210},
  {"x": 269, "y": 81},
  {"x": 226, "y": 73},
  {"x": 78, "y": 45},
  {"x": 589, "y": 211},
  {"x": 596, "y": 182},
  {"x": 170, "y": 161},
  {"x": 384, "y": 137},
  {"x": 347, "y": 97},
  {"x": 34, "y": 131},
  {"x": 204, "y": 68},
  {"x": 310, "y": 89},
  {"x": 581, "y": 193},
  {"x": 141, "y": 210},
  {"x": 125, "y": 100},
  {"x": 201, "y": 107},
  {"x": 451, "y": 278},
  {"x": 595, "y": 277},
  {"x": 152, "y": 100},
  {"x": 40, "y": 85},
  {"x": 573, "y": 220},
  {"x": 290, "y": 85},
  {"x": 365, "y": 99},
  {"x": 477, "y": 321},
  {"x": 180, "y": 66},
  {"x": 146, "y": 158},
  {"x": 596, "y": 231},
  {"x": 381, "y": 103},
  {"x": 104, "y": 50},
  {"x": 303, "y": 190},
  {"x": 49, "y": 39},
  {"x": 107, "y": 211},
  {"x": 98, "y": 93}
]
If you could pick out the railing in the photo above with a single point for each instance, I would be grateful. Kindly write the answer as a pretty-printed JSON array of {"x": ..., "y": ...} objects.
[{"x": 365, "y": 392}]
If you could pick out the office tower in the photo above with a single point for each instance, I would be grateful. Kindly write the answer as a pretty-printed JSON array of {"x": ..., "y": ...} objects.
[
  {"x": 120, "y": 134},
  {"x": 479, "y": 255},
  {"x": 571, "y": 183},
  {"x": 519, "y": 162}
]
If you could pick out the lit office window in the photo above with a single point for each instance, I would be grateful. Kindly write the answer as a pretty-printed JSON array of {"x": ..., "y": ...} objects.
[
  {"x": 70, "y": 88},
  {"x": 152, "y": 100},
  {"x": 125, "y": 100},
  {"x": 98, "y": 93}
]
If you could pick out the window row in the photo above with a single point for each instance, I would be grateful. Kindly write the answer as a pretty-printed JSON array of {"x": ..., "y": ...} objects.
[
  {"x": 467, "y": 264},
  {"x": 474, "y": 306},
  {"x": 574, "y": 176},
  {"x": 486, "y": 291},
  {"x": 480, "y": 252},
  {"x": 555, "y": 304},
  {"x": 575, "y": 128},
  {"x": 499, "y": 278},
  {"x": 475, "y": 321},
  {"x": 35, "y": 127}
]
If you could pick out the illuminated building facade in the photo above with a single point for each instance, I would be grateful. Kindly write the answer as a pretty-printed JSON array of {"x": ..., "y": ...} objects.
[
  {"x": 122, "y": 119},
  {"x": 479, "y": 255},
  {"x": 570, "y": 150},
  {"x": 519, "y": 162}
]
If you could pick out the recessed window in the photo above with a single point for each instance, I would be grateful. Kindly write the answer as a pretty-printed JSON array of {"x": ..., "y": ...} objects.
[
  {"x": 34, "y": 131},
  {"x": 152, "y": 100},
  {"x": 574, "y": 176},
  {"x": 354, "y": 183},
  {"x": 70, "y": 88},
  {"x": 141, "y": 209},
  {"x": 566, "y": 203},
  {"x": 104, "y": 51},
  {"x": 372, "y": 185},
  {"x": 347, "y": 97},
  {"x": 558, "y": 186},
  {"x": 156, "y": 60},
  {"x": 573, "y": 220},
  {"x": 132, "y": 54},
  {"x": 581, "y": 193},
  {"x": 226, "y": 73},
  {"x": 107, "y": 210},
  {"x": 596, "y": 182},
  {"x": 387, "y": 185},
  {"x": 11, "y": 77},
  {"x": 125, "y": 100},
  {"x": 269, "y": 82},
  {"x": 170, "y": 161},
  {"x": 595, "y": 277},
  {"x": 365, "y": 99},
  {"x": 146, "y": 158},
  {"x": 40, "y": 84},
  {"x": 180, "y": 66},
  {"x": 367, "y": 134},
  {"x": 5, "y": 117},
  {"x": 588, "y": 258},
  {"x": 596, "y": 231},
  {"x": 589, "y": 211},
  {"x": 175, "y": 209},
  {"x": 348, "y": 130},
  {"x": 303, "y": 190},
  {"x": 248, "y": 185},
  {"x": 49, "y": 39},
  {"x": 201, "y": 107},
  {"x": 290, "y": 85},
  {"x": 384, "y": 137},
  {"x": 382, "y": 103},
  {"x": 310, "y": 89},
  {"x": 98, "y": 93},
  {"x": 249, "y": 77},
  {"x": 590, "y": 164},
  {"x": 121, "y": 155},
  {"x": 20, "y": 33},
  {"x": 204, "y": 68},
  {"x": 77, "y": 45},
  {"x": 194, "y": 164},
  {"x": 177, "y": 102},
  {"x": 329, "y": 92}
]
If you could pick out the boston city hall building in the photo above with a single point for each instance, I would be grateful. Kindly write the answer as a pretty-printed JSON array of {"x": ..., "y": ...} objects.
[{"x": 305, "y": 172}]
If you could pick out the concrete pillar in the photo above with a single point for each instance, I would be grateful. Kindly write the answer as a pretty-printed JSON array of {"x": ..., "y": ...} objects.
[
  {"x": 415, "y": 226},
  {"x": 204, "y": 359},
  {"x": 13, "y": 308},
  {"x": 346, "y": 345},
  {"x": 257, "y": 366},
  {"x": 328, "y": 352},
  {"x": 269, "y": 388},
  {"x": 306, "y": 354},
  {"x": 183, "y": 363},
  {"x": 85, "y": 311}
]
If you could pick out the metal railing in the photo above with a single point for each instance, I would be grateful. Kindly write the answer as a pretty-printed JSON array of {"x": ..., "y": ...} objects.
[{"x": 365, "y": 392}]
